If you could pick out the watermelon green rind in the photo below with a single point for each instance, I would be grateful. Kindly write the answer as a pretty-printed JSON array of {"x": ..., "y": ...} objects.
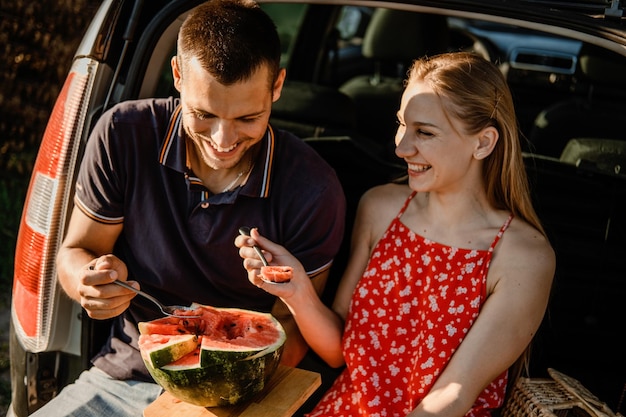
[
  {"x": 162, "y": 350},
  {"x": 220, "y": 385}
]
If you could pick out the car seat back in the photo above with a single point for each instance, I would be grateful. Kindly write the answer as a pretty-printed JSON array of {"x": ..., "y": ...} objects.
[
  {"x": 595, "y": 113},
  {"x": 311, "y": 110},
  {"x": 393, "y": 39}
]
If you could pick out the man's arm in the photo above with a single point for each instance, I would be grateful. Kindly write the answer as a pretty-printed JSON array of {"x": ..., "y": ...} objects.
[{"x": 86, "y": 268}]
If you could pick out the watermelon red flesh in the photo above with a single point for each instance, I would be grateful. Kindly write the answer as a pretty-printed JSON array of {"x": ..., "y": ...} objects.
[
  {"x": 277, "y": 273},
  {"x": 173, "y": 326},
  {"x": 238, "y": 351}
]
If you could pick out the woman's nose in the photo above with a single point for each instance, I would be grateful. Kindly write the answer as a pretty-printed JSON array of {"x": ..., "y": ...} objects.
[{"x": 403, "y": 148}]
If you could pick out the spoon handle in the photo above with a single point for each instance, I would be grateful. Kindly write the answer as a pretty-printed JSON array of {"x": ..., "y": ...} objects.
[
  {"x": 143, "y": 294},
  {"x": 244, "y": 230}
]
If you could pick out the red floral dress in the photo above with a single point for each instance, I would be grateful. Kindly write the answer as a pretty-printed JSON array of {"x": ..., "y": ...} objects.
[{"x": 410, "y": 311}]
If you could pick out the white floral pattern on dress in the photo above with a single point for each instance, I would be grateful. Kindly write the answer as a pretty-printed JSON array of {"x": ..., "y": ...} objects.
[{"x": 412, "y": 308}]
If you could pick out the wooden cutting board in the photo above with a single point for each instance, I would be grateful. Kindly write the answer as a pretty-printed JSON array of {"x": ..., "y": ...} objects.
[{"x": 286, "y": 391}]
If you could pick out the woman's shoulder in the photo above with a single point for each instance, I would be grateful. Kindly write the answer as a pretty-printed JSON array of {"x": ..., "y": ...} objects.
[
  {"x": 526, "y": 238},
  {"x": 377, "y": 209},
  {"x": 525, "y": 248},
  {"x": 386, "y": 194},
  {"x": 382, "y": 203}
]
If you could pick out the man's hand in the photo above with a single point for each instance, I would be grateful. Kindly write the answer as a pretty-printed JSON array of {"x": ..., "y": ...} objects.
[{"x": 100, "y": 298}]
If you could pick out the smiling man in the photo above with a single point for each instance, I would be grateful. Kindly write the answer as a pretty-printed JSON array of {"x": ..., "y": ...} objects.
[{"x": 166, "y": 183}]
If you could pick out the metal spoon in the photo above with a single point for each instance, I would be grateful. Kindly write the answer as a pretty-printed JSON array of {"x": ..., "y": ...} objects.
[
  {"x": 244, "y": 230},
  {"x": 167, "y": 310}
]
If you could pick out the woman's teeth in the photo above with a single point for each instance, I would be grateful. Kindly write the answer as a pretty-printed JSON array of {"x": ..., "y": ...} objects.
[{"x": 419, "y": 168}]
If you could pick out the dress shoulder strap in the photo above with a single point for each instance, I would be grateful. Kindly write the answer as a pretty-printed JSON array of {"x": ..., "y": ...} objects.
[
  {"x": 406, "y": 204},
  {"x": 501, "y": 232}
]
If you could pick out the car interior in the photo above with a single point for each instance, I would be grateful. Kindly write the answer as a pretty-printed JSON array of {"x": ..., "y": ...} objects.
[{"x": 567, "y": 93}]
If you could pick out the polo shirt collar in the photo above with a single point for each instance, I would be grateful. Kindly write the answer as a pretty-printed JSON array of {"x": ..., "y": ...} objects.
[{"x": 173, "y": 155}]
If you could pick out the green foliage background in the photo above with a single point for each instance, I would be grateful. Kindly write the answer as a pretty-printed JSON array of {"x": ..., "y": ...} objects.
[{"x": 37, "y": 43}]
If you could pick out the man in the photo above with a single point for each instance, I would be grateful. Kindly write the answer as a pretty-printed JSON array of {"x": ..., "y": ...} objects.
[{"x": 163, "y": 188}]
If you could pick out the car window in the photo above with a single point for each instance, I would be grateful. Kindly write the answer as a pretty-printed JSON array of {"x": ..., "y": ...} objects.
[
  {"x": 158, "y": 81},
  {"x": 352, "y": 24},
  {"x": 288, "y": 18}
]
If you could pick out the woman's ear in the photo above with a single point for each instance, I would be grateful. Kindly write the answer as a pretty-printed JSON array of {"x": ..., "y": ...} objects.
[{"x": 487, "y": 140}]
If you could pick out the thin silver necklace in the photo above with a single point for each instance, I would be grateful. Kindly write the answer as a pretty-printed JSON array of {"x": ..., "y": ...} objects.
[{"x": 238, "y": 177}]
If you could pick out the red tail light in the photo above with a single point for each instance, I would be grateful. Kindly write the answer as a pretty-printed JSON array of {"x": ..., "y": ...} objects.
[{"x": 37, "y": 298}]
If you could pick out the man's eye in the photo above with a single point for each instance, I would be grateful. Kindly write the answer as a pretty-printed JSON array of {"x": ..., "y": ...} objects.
[
  {"x": 201, "y": 116},
  {"x": 250, "y": 119}
]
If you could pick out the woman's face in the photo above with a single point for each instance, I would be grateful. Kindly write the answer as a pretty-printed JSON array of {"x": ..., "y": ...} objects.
[{"x": 433, "y": 143}]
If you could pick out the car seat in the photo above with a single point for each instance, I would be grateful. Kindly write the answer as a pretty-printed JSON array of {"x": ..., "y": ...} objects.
[
  {"x": 597, "y": 113},
  {"x": 606, "y": 156},
  {"x": 311, "y": 110},
  {"x": 392, "y": 40}
]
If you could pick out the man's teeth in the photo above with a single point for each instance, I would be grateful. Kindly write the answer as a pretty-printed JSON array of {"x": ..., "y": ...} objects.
[
  {"x": 220, "y": 149},
  {"x": 418, "y": 168}
]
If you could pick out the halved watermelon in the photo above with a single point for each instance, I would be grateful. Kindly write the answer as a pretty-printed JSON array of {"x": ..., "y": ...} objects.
[{"x": 235, "y": 354}]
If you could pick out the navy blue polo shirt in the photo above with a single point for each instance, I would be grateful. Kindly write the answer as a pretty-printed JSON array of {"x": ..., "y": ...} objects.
[{"x": 178, "y": 238}]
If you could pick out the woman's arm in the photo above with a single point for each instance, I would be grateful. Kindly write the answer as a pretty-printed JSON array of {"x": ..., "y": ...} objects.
[{"x": 321, "y": 327}]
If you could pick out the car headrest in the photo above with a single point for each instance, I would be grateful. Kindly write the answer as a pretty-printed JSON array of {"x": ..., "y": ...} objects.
[
  {"x": 602, "y": 66},
  {"x": 315, "y": 105},
  {"x": 603, "y": 155},
  {"x": 402, "y": 36}
]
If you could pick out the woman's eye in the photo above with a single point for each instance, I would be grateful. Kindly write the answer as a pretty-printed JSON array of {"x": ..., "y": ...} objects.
[{"x": 424, "y": 133}]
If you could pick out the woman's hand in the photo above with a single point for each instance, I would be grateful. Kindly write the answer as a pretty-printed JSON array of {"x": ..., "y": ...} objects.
[{"x": 275, "y": 254}]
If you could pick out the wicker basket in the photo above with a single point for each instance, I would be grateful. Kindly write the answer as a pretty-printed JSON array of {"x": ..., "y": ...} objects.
[{"x": 561, "y": 396}]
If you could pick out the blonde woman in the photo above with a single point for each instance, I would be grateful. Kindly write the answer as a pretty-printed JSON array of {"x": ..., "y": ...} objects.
[{"x": 449, "y": 275}]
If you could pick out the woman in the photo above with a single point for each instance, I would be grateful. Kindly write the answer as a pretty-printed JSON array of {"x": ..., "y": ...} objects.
[{"x": 449, "y": 275}]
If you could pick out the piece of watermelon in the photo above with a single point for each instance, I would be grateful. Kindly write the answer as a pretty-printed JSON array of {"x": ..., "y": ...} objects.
[
  {"x": 274, "y": 273},
  {"x": 236, "y": 353},
  {"x": 163, "y": 349}
]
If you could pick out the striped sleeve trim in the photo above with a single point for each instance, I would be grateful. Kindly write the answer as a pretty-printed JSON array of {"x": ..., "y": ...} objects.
[
  {"x": 96, "y": 216},
  {"x": 316, "y": 272}
]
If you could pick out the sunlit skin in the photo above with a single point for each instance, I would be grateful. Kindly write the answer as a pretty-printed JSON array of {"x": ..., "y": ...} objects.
[
  {"x": 438, "y": 154},
  {"x": 223, "y": 122}
]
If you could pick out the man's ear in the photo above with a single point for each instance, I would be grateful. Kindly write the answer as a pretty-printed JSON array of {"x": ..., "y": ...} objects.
[
  {"x": 278, "y": 84},
  {"x": 487, "y": 140},
  {"x": 177, "y": 73}
]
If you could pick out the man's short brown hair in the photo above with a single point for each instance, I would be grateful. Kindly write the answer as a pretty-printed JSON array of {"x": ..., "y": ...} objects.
[{"x": 231, "y": 39}]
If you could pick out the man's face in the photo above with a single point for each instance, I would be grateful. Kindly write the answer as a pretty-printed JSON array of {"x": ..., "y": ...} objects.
[{"x": 223, "y": 122}]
